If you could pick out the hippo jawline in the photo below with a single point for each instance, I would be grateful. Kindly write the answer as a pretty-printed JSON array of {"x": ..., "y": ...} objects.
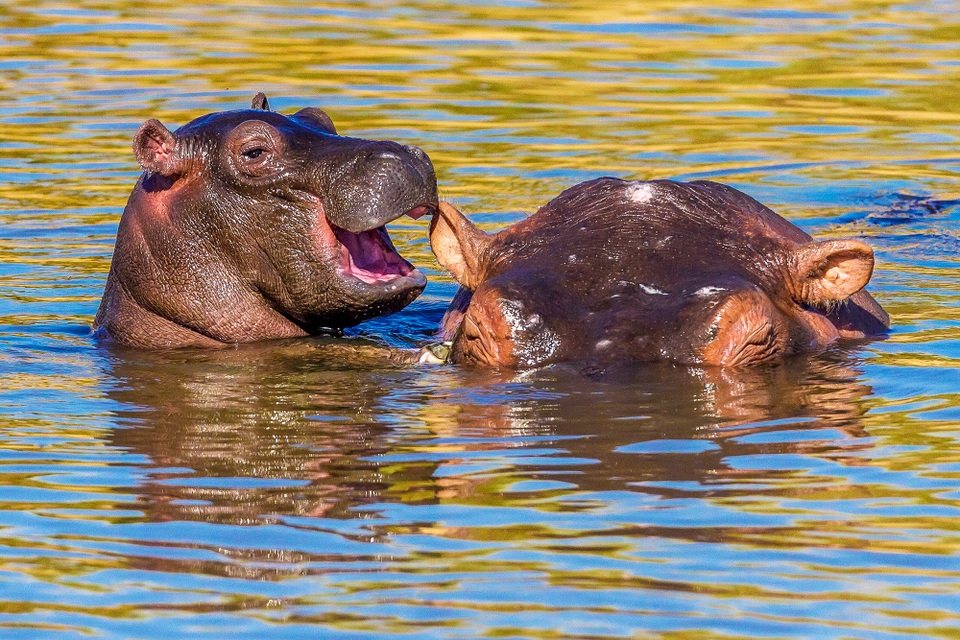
[{"x": 369, "y": 256}]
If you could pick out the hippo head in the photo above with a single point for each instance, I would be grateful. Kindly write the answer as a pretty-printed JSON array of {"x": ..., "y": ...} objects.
[
  {"x": 250, "y": 225},
  {"x": 614, "y": 271}
]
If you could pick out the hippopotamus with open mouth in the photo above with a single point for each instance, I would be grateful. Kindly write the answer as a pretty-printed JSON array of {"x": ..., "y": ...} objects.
[
  {"x": 616, "y": 271},
  {"x": 249, "y": 225}
]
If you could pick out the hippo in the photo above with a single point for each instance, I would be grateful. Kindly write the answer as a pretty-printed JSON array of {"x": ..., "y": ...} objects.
[
  {"x": 250, "y": 225},
  {"x": 615, "y": 271}
]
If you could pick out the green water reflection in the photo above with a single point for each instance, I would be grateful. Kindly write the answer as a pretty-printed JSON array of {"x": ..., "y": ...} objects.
[{"x": 305, "y": 489}]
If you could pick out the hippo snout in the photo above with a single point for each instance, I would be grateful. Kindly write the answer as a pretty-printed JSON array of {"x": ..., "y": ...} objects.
[
  {"x": 387, "y": 181},
  {"x": 417, "y": 153}
]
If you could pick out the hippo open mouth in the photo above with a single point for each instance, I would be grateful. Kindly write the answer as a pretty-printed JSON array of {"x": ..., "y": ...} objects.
[{"x": 370, "y": 255}]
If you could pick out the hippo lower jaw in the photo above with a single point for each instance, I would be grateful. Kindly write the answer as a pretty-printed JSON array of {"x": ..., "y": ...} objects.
[{"x": 370, "y": 257}]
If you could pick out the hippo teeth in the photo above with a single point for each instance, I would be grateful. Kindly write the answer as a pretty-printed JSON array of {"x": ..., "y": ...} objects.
[{"x": 370, "y": 257}]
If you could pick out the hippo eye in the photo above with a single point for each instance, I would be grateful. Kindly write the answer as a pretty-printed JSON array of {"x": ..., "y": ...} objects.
[{"x": 253, "y": 154}]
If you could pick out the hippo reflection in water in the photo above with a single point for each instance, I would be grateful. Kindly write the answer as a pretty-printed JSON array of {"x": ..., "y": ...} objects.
[
  {"x": 320, "y": 421},
  {"x": 616, "y": 271},
  {"x": 249, "y": 225}
]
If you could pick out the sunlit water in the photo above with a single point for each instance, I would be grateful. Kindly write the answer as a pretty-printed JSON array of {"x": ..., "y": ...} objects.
[{"x": 283, "y": 490}]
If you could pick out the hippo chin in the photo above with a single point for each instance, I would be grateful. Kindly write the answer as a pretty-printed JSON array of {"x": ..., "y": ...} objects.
[
  {"x": 614, "y": 271},
  {"x": 249, "y": 225}
]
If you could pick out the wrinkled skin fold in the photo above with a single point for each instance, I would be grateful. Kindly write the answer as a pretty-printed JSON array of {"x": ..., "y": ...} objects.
[
  {"x": 616, "y": 271},
  {"x": 251, "y": 225}
]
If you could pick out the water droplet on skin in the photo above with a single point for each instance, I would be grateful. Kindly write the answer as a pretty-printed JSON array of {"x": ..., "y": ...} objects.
[
  {"x": 707, "y": 291},
  {"x": 653, "y": 291}
]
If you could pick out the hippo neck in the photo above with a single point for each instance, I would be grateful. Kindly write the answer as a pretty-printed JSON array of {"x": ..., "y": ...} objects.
[
  {"x": 130, "y": 323},
  {"x": 158, "y": 293}
]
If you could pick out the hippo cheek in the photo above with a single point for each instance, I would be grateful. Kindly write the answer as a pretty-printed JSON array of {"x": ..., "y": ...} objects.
[
  {"x": 746, "y": 329},
  {"x": 503, "y": 331},
  {"x": 483, "y": 338}
]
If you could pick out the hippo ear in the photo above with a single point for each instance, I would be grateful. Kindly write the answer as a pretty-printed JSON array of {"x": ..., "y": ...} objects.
[
  {"x": 259, "y": 102},
  {"x": 833, "y": 270},
  {"x": 318, "y": 118},
  {"x": 459, "y": 245},
  {"x": 155, "y": 148}
]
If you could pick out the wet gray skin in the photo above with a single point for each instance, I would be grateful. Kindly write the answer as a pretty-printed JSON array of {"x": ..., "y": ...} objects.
[{"x": 250, "y": 225}]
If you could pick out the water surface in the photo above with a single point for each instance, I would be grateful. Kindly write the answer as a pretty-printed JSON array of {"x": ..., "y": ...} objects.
[{"x": 284, "y": 491}]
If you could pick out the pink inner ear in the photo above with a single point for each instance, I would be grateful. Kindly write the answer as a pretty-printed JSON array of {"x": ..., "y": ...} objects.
[
  {"x": 848, "y": 271},
  {"x": 158, "y": 150},
  {"x": 833, "y": 270},
  {"x": 155, "y": 148}
]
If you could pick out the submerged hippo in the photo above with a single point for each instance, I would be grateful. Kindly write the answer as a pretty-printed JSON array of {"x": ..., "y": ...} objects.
[
  {"x": 615, "y": 271},
  {"x": 249, "y": 225}
]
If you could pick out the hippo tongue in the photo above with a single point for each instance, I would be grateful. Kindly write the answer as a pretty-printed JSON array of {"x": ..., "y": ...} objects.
[{"x": 368, "y": 256}]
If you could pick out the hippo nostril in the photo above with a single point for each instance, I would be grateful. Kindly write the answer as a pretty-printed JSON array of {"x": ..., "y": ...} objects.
[
  {"x": 416, "y": 152},
  {"x": 387, "y": 155}
]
